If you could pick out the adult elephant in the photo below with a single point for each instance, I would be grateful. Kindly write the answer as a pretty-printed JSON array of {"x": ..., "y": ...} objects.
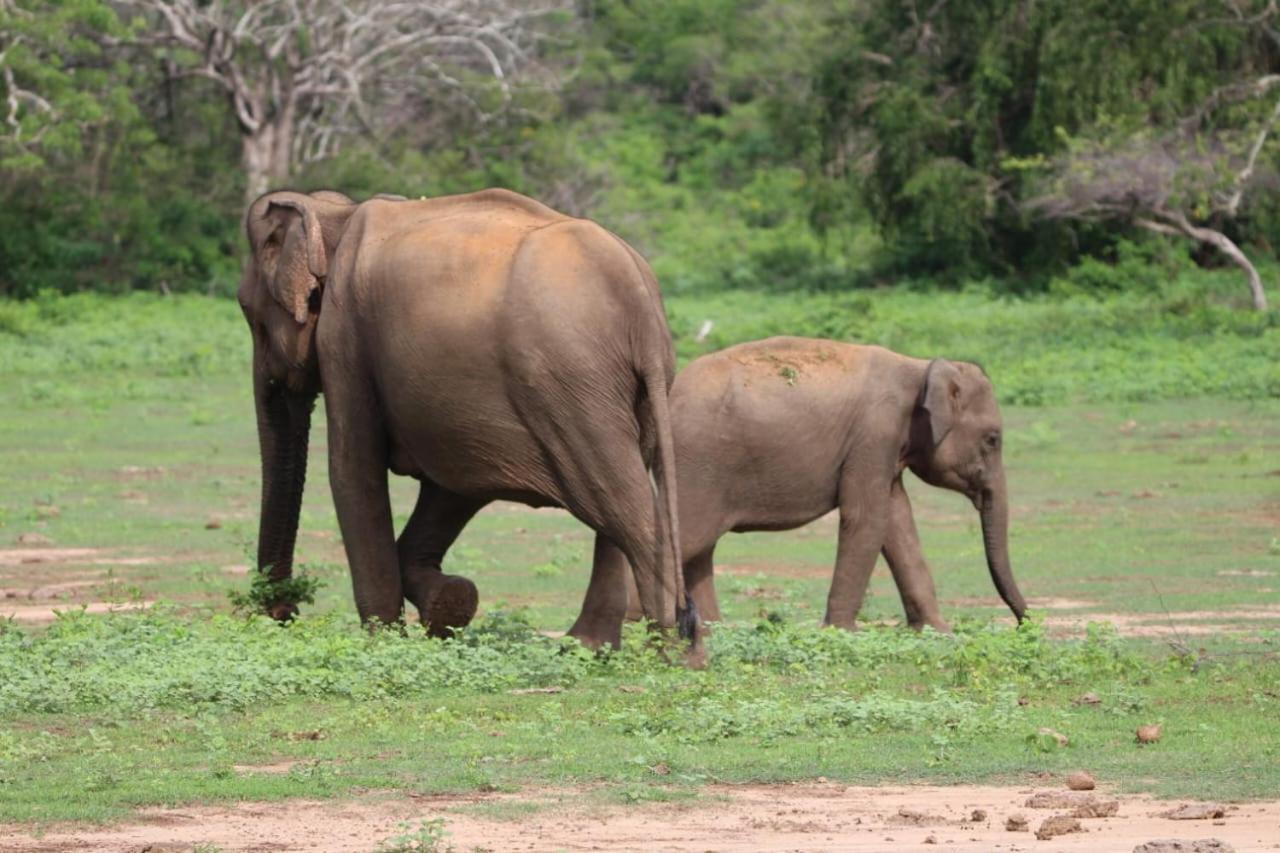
[
  {"x": 772, "y": 434},
  {"x": 484, "y": 344}
]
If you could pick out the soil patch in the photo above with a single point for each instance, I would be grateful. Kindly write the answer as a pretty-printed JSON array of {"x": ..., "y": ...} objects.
[
  {"x": 1190, "y": 623},
  {"x": 810, "y": 817},
  {"x": 38, "y": 613}
]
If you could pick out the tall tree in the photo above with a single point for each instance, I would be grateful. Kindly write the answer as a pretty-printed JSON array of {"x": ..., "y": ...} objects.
[{"x": 302, "y": 76}]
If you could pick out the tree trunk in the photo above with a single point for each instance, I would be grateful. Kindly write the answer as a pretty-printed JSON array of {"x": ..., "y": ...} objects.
[{"x": 265, "y": 155}]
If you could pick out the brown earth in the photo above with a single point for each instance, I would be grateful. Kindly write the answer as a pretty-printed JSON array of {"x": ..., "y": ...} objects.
[{"x": 808, "y": 817}]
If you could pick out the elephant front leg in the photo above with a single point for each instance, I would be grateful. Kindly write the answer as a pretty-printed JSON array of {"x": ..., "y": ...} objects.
[
  {"x": 358, "y": 478},
  {"x": 444, "y": 601},
  {"x": 906, "y": 561},
  {"x": 863, "y": 522}
]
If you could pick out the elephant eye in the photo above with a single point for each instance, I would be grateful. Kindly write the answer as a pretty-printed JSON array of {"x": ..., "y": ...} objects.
[{"x": 992, "y": 440}]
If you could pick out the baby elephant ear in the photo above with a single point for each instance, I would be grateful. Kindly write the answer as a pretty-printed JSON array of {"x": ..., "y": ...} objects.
[{"x": 940, "y": 398}]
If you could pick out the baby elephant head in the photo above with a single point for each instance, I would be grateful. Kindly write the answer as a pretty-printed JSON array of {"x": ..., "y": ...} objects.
[{"x": 956, "y": 443}]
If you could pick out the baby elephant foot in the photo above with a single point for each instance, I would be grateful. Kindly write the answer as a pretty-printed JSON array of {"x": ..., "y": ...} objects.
[{"x": 449, "y": 602}]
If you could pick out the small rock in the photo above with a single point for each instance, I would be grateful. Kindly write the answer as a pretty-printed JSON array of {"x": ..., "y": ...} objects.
[
  {"x": 931, "y": 839},
  {"x": 661, "y": 768},
  {"x": 214, "y": 523},
  {"x": 1196, "y": 811},
  {"x": 1023, "y": 701},
  {"x": 34, "y": 539},
  {"x": 525, "y": 691},
  {"x": 1058, "y": 825},
  {"x": 630, "y": 688},
  {"x": 1179, "y": 845},
  {"x": 1058, "y": 800},
  {"x": 822, "y": 780},
  {"x": 1089, "y": 699},
  {"x": 1149, "y": 734},
  {"x": 1062, "y": 739},
  {"x": 48, "y": 512},
  {"x": 1081, "y": 781},
  {"x": 1146, "y": 494},
  {"x": 978, "y": 815},
  {"x": 1096, "y": 808},
  {"x": 1017, "y": 823}
]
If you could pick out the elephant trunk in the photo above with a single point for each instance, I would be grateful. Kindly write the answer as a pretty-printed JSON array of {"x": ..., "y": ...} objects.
[
  {"x": 994, "y": 511},
  {"x": 284, "y": 426}
]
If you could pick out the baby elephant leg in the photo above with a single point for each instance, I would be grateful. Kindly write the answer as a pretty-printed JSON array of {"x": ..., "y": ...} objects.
[{"x": 906, "y": 561}]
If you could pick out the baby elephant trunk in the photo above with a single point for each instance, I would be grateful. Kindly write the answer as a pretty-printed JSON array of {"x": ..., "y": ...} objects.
[{"x": 994, "y": 511}]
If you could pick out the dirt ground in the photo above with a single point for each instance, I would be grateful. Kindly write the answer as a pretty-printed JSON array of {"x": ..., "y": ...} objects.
[{"x": 800, "y": 817}]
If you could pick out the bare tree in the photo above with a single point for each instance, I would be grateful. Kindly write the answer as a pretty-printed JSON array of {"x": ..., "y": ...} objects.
[
  {"x": 304, "y": 75},
  {"x": 1185, "y": 183}
]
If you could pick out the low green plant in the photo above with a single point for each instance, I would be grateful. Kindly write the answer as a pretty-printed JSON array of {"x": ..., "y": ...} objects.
[
  {"x": 265, "y": 592},
  {"x": 424, "y": 836}
]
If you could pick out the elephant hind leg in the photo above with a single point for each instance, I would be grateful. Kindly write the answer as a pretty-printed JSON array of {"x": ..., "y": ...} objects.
[
  {"x": 699, "y": 575},
  {"x": 600, "y": 622},
  {"x": 444, "y": 601}
]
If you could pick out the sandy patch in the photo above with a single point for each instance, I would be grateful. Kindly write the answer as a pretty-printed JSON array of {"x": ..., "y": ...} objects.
[
  {"x": 38, "y": 613},
  {"x": 1245, "y": 619},
  {"x": 91, "y": 556},
  {"x": 809, "y": 817}
]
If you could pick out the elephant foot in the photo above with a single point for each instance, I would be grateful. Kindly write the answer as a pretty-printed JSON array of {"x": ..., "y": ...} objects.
[
  {"x": 453, "y": 606},
  {"x": 842, "y": 624},
  {"x": 940, "y": 625},
  {"x": 282, "y": 611},
  {"x": 597, "y": 638}
]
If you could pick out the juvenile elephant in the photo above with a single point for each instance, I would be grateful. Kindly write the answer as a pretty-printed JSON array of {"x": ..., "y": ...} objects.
[
  {"x": 770, "y": 435},
  {"x": 484, "y": 344}
]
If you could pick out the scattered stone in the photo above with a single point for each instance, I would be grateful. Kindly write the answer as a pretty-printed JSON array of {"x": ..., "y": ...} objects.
[
  {"x": 1179, "y": 845},
  {"x": 661, "y": 768},
  {"x": 630, "y": 688},
  {"x": 214, "y": 523},
  {"x": 931, "y": 839},
  {"x": 1146, "y": 493},
  {"x": 1089, "y": 699},
  {"x": 34, "y": 539},
  {"x": 1149, "y": 734},
  {"x": 1128, "y": 426},
  {"x": 1058, "y": 800},
  {"x": 911, "y": 817},
  {"x": 1023, "y": 701},
  {"x": 1196, "y": 811},
  {"x": 48, "y": 512},
  {"x": 978, "y": 815},
  {"x": 1096, "y": 808},
  {"x": 1059, "y": 824},
  {"x": 1017, "y": 823},
  {"x": 525, "y": 691},
  {"x": 1062, "y": 739},
  {"x": 1081, "y": 781}
]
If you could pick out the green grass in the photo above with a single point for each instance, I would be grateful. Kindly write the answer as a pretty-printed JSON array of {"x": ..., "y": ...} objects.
[{"x": 128, "y": 428}]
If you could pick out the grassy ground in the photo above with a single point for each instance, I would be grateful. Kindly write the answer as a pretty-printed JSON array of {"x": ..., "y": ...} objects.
[{"x": 127, "y": 429}]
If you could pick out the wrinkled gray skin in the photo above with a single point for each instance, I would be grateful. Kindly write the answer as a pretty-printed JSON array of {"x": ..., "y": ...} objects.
[
  {"x": 771, "y": 435},
  {"x": 484, "y": 344}
]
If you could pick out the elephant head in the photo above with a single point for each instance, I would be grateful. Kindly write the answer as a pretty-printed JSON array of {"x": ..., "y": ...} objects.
[
  {"x": 956, "y": 444},
  {"x": 292, "y": 237}
]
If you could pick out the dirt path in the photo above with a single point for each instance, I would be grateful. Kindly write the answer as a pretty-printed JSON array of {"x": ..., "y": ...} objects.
[{"x": 801, "y": 817}]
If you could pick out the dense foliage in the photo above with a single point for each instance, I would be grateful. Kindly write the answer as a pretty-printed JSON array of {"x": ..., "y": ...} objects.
[
  {"x": 738, "y": 144},
  {"x": 1169, "y": 334}
]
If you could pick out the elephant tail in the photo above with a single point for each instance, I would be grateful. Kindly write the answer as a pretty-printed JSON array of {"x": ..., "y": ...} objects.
[{"x": 654, "y": 379}]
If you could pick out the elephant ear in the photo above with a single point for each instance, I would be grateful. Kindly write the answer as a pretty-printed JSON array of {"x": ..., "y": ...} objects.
[
  {"x": 294, "y": 258},
  {"x": 940, "y": 398}
]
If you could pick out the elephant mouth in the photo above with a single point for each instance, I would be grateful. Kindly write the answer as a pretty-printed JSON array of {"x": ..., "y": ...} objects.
[{"x": 981, "y": 498}]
